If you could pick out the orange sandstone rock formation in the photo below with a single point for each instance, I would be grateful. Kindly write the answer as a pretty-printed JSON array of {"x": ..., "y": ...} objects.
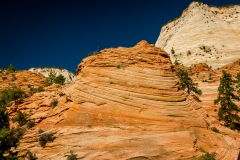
[
  {"x": 124, "y": 104},
  {"x": 21, "y": 79}
]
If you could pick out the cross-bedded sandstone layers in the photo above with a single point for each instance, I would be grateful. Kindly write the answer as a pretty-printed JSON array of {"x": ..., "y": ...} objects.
[
  {"x": 210, "y": 33},
  {"x": 124, "y": 104}
]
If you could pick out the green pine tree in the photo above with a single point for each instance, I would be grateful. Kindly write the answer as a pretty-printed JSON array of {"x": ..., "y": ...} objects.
[
  {"x": 50, "y": 79},
  {"x": 186, "y": 83},
  {"x": 11, "y": 68},
  {"x": 172, "y": 51},
  {"x": 228, "y": 111},
  {"x": 8, "y": 137},
  {"x": 60, "y": 79}
]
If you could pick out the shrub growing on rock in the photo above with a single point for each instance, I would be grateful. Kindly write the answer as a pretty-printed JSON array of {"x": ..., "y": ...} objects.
[
  {"x": 11, "y": 68},
  {"x": 31, "y": 156},
  {"x": 72, "y": 156},
  {"x": 36, "y": 90},
  {"x": 52, "y": 78},
  {"x": 21, "y": 118},
  {"x": 8, "y": 137},
  {"x": 44, "y": 138},
  {"x": 186, "y": 83},
  {"x": 54, "y": 103},
  {"x": 30, "y": 124}
]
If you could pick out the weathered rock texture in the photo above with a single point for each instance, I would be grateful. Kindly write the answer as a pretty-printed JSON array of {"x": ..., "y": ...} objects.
[
  {"x": 124, "y": 104},
  {"x": 210, "y": 33},
  {"x": 45, "y": 72},
  {"x": 21, "y": 79}
]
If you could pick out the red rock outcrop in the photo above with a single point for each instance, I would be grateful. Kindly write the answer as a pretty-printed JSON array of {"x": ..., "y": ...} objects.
[
  {"x": 124, "y": 104},
  {"x": 21, "y": 79}
]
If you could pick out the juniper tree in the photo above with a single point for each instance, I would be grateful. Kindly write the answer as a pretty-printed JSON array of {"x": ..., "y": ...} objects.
[
  {"x": 228, "y": 111},
  {"x": 8, "y": 137},
  {"x": 52, "y": 78},
  {"x": 172, "y": 51},
  {"x": 186, "y": 83},
  {"x": 11, "y": 68}
]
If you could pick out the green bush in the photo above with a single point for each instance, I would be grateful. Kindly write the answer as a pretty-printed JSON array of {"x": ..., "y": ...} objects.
[
  {"x": 36, "y": 90},
  {"x": 44, "y": 138},
  {"x": 176, "y": 62},
  {"x": 60, "y": 79},
  {"x": 11, "y": 68},
  {"x": 8, "y": 137},
  {"x": 40, "y": 131},
  {"x": 208, "y": 156},
  {"x": 52, "y": 78},
  {"x": 30, "y": 124},
  {"x": 9, "y": 95},
  {"x": 31, "y": 156},
  {"x": 54, "y": 103},
  {"x": 172, "y": 51},
  {"x": 21, "y": 118},
  {"x": 214, "y": 129},
  {"x": 72, "y": 156}
]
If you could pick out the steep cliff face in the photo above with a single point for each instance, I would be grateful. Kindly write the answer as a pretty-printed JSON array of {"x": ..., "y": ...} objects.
[
  {"x": 211, "y": 34},
  {"x": 45, "y": 72},
  {"x": 124, "y": 104}
]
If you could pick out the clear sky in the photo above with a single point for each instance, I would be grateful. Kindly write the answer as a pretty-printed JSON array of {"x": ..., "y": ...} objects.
[{"x": 62, "y": 32}]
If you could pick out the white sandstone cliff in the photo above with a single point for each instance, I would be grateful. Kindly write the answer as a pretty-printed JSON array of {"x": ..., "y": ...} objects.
[
  {"x": 45, "y": 72},
  {"x": 210, "y": 33}
]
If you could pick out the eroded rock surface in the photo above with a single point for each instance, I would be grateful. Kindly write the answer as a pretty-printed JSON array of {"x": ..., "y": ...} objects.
[
  {"x": 21, "y": 79},
  {"x": 203, "y": 34},
  {"x": 124, "y": 104}
]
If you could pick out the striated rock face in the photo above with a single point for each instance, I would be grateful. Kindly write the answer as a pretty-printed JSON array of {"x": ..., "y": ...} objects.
[
  {"x": 21, "y": 79},
  {"x": 45, "y": 72},
  {"x": 124, "y": 104},
  {"x": 211, "y": 34},
  {"x": 232, "y": 68}
]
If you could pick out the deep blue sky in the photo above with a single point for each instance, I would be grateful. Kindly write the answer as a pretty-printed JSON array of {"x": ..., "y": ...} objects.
[{"x": 62, "y": 32}]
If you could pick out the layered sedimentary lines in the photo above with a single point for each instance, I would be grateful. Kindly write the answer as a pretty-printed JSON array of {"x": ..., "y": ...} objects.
[
  {"x": 124, "y": 104},
  {"x": 135, "y": 82},
  {"x": 211, "y": 34}
]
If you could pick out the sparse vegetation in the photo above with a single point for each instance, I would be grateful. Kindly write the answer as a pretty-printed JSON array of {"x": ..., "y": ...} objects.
[
  {"x": 172, "y": 51},
  {"x": 31, "y": 156},
  {"x": 30, "y": 124},
  {"x": 52, "y": 78},
  {"x": 35, "y": 90},
  {"x": 208, "y": 156},
  {"x": 54, "y": 103},
  {"x": 176, "y": 62},
  {"x": 44, "y": 138},
  {"x": 205, "y": 49},
  {"x": 186, "y": 83},
  {"x": 8, "y": 137},
  {"x": 21, "y": 118},
  {"x": 93, "y": 53},
  {"x": 40, "y": 131},
  {"x": 201, "y": 149},
  {"x": 214, "y": 129},
  {"x": 72, "y": 156},
  {"x": 189, "y": 53},
  {"x": 11, "y": 68}
]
